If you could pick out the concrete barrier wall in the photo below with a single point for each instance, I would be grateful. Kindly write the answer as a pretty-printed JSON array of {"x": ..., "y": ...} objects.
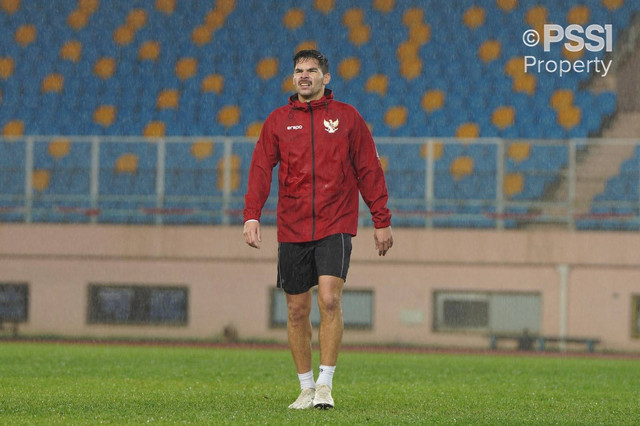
[{"x": 230, "y": 283}]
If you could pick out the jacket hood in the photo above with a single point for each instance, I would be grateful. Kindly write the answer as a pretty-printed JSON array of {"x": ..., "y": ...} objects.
[{"x": 295, "y": 103}]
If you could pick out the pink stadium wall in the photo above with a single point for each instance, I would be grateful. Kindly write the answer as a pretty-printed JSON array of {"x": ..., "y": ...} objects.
[{"x": 230, "y": 283}]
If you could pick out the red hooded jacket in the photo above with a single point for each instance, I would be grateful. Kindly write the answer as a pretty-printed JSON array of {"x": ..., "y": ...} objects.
[{"x": 326, "y": 155}]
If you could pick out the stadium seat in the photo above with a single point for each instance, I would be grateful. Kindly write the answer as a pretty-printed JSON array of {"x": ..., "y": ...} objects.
[
  {"x": 53, "y": 82},
  {"x": 377, "y": 83},
  {"x": 461, "y": 167},
  {"x": 349, "y": 68},
  {"x": 468, "y": 130},
  {"x": 396, "y": 117},
  {"x": 513, "y": 184},
  {"x": 229, "y": 115},
  {"x": 503, "y": 117},
  {"x": 489, "y": 50},
  {"x": 104, "y": 68},
  {"x": 569, "y": 117},
  {"x": 13, "y": 128},
  {"x": 293, "y": 19},
  {"x": 71, "y": 51},
  {"x": 165, "y": 6},
  {"x": 519, "y": 151},
  {"x": 201, "y": 149},
  {"x": 433, "y": 100},
  {"x": 267, "y": 68},
  {"x": 59, "y": 148},
  {"x": 155, "y": 129},
  {"x": 359, "y": 34},
  {"x": 105, "y": 115},
  {"x": 10, "y": 6},
  {"x": 40, "y": 180},
  {"x": 474, "y": 17}
]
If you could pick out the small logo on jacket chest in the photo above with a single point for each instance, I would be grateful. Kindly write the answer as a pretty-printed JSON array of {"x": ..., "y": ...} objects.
[{"x": 331, "y": 126}]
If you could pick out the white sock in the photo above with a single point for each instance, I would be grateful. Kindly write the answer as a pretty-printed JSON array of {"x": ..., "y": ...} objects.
[
  {"x": 326, "y": 375},
  {"x": 306, "y": 380}
]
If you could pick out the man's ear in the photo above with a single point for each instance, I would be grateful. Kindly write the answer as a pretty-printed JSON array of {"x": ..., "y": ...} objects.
[{"x": 326, "y": 79}]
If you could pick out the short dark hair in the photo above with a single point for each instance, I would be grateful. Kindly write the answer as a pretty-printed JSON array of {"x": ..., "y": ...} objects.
[{"x": 323, "y": 62}]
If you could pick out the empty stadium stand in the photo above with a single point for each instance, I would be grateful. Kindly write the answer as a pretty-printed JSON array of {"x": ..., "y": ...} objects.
[{"x": 214, "y": 70}]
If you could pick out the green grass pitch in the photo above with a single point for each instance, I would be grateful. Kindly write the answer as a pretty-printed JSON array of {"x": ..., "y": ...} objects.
[{"x": 49, "y": 383}]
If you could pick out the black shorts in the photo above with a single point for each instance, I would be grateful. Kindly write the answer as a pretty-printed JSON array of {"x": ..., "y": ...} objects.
[{"x": 300, "y": 264}]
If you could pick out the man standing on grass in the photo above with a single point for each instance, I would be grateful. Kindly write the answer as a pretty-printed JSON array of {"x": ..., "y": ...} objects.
[{"x": 327, "y": 158}]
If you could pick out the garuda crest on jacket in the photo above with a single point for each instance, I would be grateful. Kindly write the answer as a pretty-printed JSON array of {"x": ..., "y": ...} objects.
[{"x": 331, "y": 126}]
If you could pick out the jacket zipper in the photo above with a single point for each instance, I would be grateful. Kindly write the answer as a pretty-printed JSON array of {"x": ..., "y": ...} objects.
[{"x": 313, "y": 178}]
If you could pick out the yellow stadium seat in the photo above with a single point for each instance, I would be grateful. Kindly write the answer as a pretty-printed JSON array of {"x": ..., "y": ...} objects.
[
  {"x": 78, "y": 19},
  {"x": 349, "y": 68},
  {"x": 225, "y": 6},
  {"x": 71, "y": 51},
  {"x": 572, "y": 56},
  {"x": 513, "y": 184},
  {"x": 612, "y": 4},
  {"x": 359, "y": 34},
  {"x": 503, "y": 117},
  {"x": 229, "y": 115},
  {"x": 468, "y": 130},
  {"x": 59, "y": 148},
  {"x": 10, "y": 6},
  {"x": 104, "y": 68},
  {"x": 165, "y": 6},
  {"x": 89, "y": 6},
  {"x": 324, "y": 6},
  {"x": 420, "y": 33},
  {"x": 461, "y": 166},
  {"x": 215, "y": 19},
  {"x": 536, "y": 16},
  {"x": 154, "y": 129},
  {"x": 201, "y": 35},
  {"x": 438, "y": 150},
  {"x": 383, "y": 6},
  {"x": 54, "y": 82},
  {"x": 306, "y": 45},
  {"x": 7, "y": 67},
  {"x": 234, "y": 172},
  {"x": 514, "y": 66},
  {"x": 507, "y": 5},
  {"x": 413, "y": 17},
  {"x": 352, "y": 17},
  {"x": 474, "y": 17},
  {"x": 168, "y": 99},
  {"x": 569, "y": 117},
  {"x": 149, "y": 51},
  {"x": 384, "y": 163},
  {"x": 407, "y": 49},
  {"x": 126, "y": 163},
  {"x": 137, "y": 19},
  {"x": 267, "y": 68},
  {"x": 104, "y": 115},
  {"x": 254, "y": 129},
  {"x": 519, "y": 151},
  {"x": 433, "y": 100},
  {"x": 123, "y": 35},
  {"x": 201, "y": 149},
  {"x": 396, "y": 116},
  {"x": 294, "y": 18},
  {"x": 579, "y": 15},
  {"x": 186, "y": 68},
  {"x": 490, "y": 50},
  {"x": 13, "y": 128},
  {"x": 287, "y": 85},
  {"x": 411, "y": 68},
  {"x": 377, "y": 83},
  {"x": 524, "y": 83},
  {"x": 25, "y": 35},
  {"x": 212, "y": 83},
  {"x": 561, "y": 99},
  {"x": 40, "y": 180}
]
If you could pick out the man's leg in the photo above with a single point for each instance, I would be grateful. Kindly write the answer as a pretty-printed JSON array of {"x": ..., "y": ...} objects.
[
  {"x": 299, "y": 334},
  {"x": 331, "y": 323},
  {"x": 331, "y": 328},
  {"x": 299, "y": 329}
]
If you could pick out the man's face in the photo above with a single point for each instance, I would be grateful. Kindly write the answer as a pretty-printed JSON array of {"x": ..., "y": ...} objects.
[{"x": 308, "y": 79}]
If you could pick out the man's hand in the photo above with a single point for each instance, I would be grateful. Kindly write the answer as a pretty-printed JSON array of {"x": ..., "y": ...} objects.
[
  {"x": 252, "y": 234},
  {"x": 384, "y": 240}
]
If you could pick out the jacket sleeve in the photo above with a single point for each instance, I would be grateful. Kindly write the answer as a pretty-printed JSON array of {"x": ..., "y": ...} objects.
[
  {"x": 264, "y": 159},
  {"x": 371, "y": 182}
]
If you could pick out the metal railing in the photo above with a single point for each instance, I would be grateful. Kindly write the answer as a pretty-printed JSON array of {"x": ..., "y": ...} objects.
[{"x": 433, "y": 182}]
